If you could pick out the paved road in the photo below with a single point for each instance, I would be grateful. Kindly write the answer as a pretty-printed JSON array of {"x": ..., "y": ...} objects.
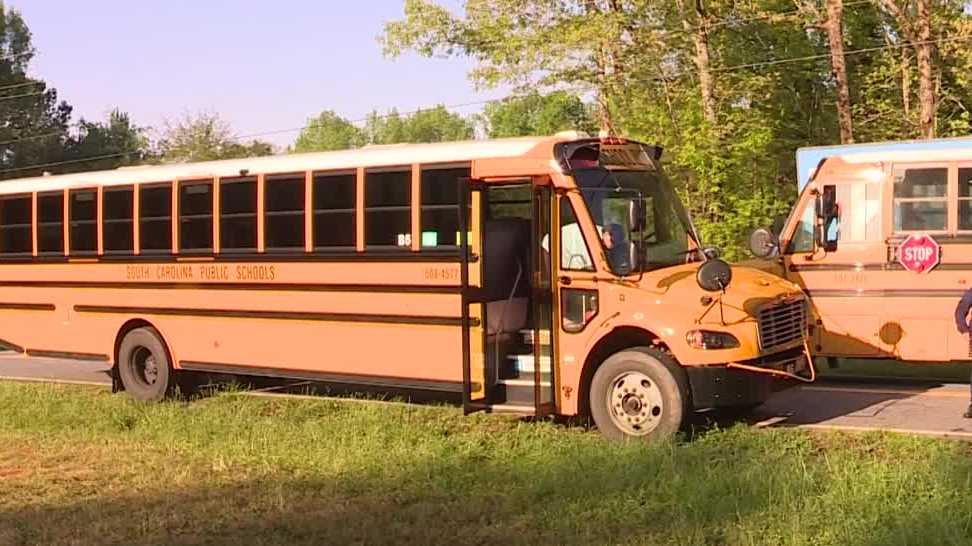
[{"x": 917, "y": 409}]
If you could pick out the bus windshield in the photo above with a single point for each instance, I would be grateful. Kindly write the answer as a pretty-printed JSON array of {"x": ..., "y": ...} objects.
[{"x": 608, "y": 194}]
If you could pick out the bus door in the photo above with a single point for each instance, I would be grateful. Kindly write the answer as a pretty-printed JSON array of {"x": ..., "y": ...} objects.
[
  {"x": 544, "y": 353},
  {"x": 838, "y": 259},
  {"x": 474, "y": 382}
]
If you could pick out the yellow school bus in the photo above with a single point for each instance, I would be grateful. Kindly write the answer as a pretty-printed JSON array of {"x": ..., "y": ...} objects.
[
  {"x": 556, "y": 275},
  {"x": 881, "y": 240}
]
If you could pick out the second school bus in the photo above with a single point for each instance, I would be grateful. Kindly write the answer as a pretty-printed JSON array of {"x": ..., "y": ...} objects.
[
  {"x": 555, "y": 275},
  {"x": 843, "y": 243}
]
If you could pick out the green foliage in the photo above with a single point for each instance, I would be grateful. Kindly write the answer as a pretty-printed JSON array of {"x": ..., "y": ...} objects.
[
  {"x": 536, "y": 114},
  {"x": 205, "y": 137},
  {"x": 328, "y": 131},
  {"x": 433, "y": 125},
  {"x": 118, "y": 137}
]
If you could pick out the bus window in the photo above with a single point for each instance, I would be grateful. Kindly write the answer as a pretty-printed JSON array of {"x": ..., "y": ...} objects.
[
  {"x": 118, "y": 220},
  {"x": 84, "y": 221},
  {"x": 16, "y": 236},
  {"x": 196, "y": 216},
  {"x": 334, "y": 211},
  {"x": 859, "y": 212},
  {"x": 920, "y": 202},
  {"x": 238, "y": 214},
  {"x": 284, "y": 205},
  {"x": 388, "y": 212},
  {"x": 574, "y": 254},
  {"x": 802, "y": 238},
  {"x": 965, "y": 199},
  {"x": 440, "y": 199},
  {"x": 155, "y": 218},
  {"x": 50, "y": 223}
]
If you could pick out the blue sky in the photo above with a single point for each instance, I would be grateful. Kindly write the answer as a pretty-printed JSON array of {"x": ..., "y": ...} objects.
[{"x": 262, "y": 65}]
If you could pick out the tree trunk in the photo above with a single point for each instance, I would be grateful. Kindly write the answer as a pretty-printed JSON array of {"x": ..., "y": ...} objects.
[
  {"x": 906, "y": 83},
  {"x": 700, "y": 38},
  {"x": 835, "y": 34},
  {"x": 917, "y": 30},
  {"x": 926, "y": 83}
]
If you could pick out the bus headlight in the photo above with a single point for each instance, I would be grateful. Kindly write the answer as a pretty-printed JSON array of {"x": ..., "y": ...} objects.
[{"x": 706, "y": 339}]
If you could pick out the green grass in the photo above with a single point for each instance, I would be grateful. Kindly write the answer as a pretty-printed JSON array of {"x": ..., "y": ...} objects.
[
  {"x": 882, "y": 368},
  {"x": 82, "y": 466}
]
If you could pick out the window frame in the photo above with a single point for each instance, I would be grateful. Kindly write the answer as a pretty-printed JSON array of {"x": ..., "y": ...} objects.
[
  {"x": 956, "y": 167},
  {"x": 423, "y": 207},
  {"x": 104, "y": 220},
  {"x": 268, "y": 180},
  {"x": 61, "y": 195},
  {"x": 72, "y": 252},
  {"x": 948, "y": 199},
  {"x": 409, "y": 208},
  {"x": 255, "y": 215},
  {"x": 142, "y": 218},
  {"x": 353, "y": 211},
  {"x": 188, "y": 183},
  {"x": 29, "y": 196}
]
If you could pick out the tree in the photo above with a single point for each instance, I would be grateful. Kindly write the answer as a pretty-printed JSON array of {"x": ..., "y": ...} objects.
[
  {"x": 328, "y": 131},
  {"x": 117, "y": 142},
  {"x": 436, "y": 124},
  {"x": 536, "y": 114},
  {"x": 33, "y": 123},
  {"x": 205, "y": 137},
  {"x": 914, "y": 22},
  {"x": 835, "y": 35}
]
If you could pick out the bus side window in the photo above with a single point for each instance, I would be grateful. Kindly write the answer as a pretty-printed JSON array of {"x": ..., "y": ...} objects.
[
  {"x": 196, "y": 216},
  {"x": 50, "y": 223},
  {"x": 574, "y": 254},
  {"x": 84, "y": 221},
  {"x": 440, "y": 198},
  {"x": 334, "y": 211},
  {"x": 155, "y": 218},
  {"x": 920, "y": 199},
  {"x": 118, "y": 230},
  {"x": 238, "y": 215},
  {"x": 965, "y": 199},
  {"x": 388, "y": 209},
  {"x": 15, "y": 225},
  {"x": 284, "y": 204}
]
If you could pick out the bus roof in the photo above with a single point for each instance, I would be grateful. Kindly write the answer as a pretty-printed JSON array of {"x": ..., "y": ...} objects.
[
  {"x": 809, "y": 158},
  {"x": 368, "y": 156}
]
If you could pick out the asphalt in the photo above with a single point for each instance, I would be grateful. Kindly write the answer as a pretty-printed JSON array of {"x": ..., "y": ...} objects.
[{"x": 926, "y": 408}]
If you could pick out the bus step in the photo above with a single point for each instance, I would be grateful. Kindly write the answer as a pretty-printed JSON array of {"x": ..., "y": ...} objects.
[
  {"x": 515, "y": 409},
  {"x": 525, "y": 363},
  {"x": 528, "y": 337},
  {"x": 523, "y": 383}
]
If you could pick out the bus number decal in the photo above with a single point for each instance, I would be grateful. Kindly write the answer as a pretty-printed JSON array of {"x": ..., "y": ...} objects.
[{"x": 442, "y": 274}]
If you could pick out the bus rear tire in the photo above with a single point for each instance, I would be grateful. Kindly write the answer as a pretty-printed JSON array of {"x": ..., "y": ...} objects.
[
  {"x": 143, "y": 365},
  {"x": 639, "y": 394}
]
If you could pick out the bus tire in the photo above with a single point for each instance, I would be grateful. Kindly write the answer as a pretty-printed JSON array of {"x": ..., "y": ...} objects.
[
  {"x": 639, "y": 393},
  {"x": 143, "y": 365}
]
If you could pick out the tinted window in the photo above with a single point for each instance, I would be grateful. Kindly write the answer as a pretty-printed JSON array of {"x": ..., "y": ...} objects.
[
  {"x": 196, "y": 216},
  {"x": 284, "y": 212},
  {"x": 155, "y": 218},
  {"x": 388, "y": 215},
  {"x": 238, "y": 214},
  {"x": 334, "y": 211},
  {"x": 50, "y": 223},
  {"x": 16, "y": 234},
  {"x": 84, "y": 221},
  {"x": 965, "y": 199},
  {"x": 440, "y": 212},
  {"x": 920, "y": 199},
  {"x": 118, "y": 219}
]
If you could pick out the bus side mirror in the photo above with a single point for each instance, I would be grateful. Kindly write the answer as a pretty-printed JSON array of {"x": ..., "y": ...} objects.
[
  {"x": 636, "y": 214},
  {"x": 713, "y": 275},
  {"x": 763, "y": 243},
  {"x": 825, "y": 236}
]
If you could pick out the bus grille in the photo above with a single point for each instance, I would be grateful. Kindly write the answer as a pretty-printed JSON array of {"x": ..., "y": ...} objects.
[{"x": 782, "y": 323}]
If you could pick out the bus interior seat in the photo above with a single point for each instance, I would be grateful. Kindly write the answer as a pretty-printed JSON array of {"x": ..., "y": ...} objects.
[{"x": 506, "y": 274}]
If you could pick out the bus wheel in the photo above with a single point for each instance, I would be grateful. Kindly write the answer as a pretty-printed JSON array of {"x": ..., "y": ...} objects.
[
  {"x": 639, "y": 393},
  {"x": 143, "y": 365}
]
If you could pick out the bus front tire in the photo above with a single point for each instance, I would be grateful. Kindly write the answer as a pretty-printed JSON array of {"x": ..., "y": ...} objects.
[
  {"x": 639, "y": 394},
  {"x": 143, "y": 365}
]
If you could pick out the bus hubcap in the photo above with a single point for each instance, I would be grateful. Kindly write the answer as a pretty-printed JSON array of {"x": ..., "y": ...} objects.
[
  {"x": 635, "y": 404},
  {"x": 145, "y": 366}
]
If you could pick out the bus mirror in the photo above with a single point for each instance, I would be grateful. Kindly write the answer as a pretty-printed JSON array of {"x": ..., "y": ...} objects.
[
  {"x": 636, "y": 214},
  {"x": 714, "y": 275},
  {"x": 763, "y": 243},
  {"x": 825, "y": 235}
]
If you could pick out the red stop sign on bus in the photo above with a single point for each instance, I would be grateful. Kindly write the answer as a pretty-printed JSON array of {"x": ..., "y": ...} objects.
[{"x": 919, "y": 253}]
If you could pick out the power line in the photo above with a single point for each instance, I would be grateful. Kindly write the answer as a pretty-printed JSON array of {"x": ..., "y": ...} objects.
[
  {"x": 760, "y": 64},
  {"x": 11, "y": 97},
  {"x": 18, "y": 85}
]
